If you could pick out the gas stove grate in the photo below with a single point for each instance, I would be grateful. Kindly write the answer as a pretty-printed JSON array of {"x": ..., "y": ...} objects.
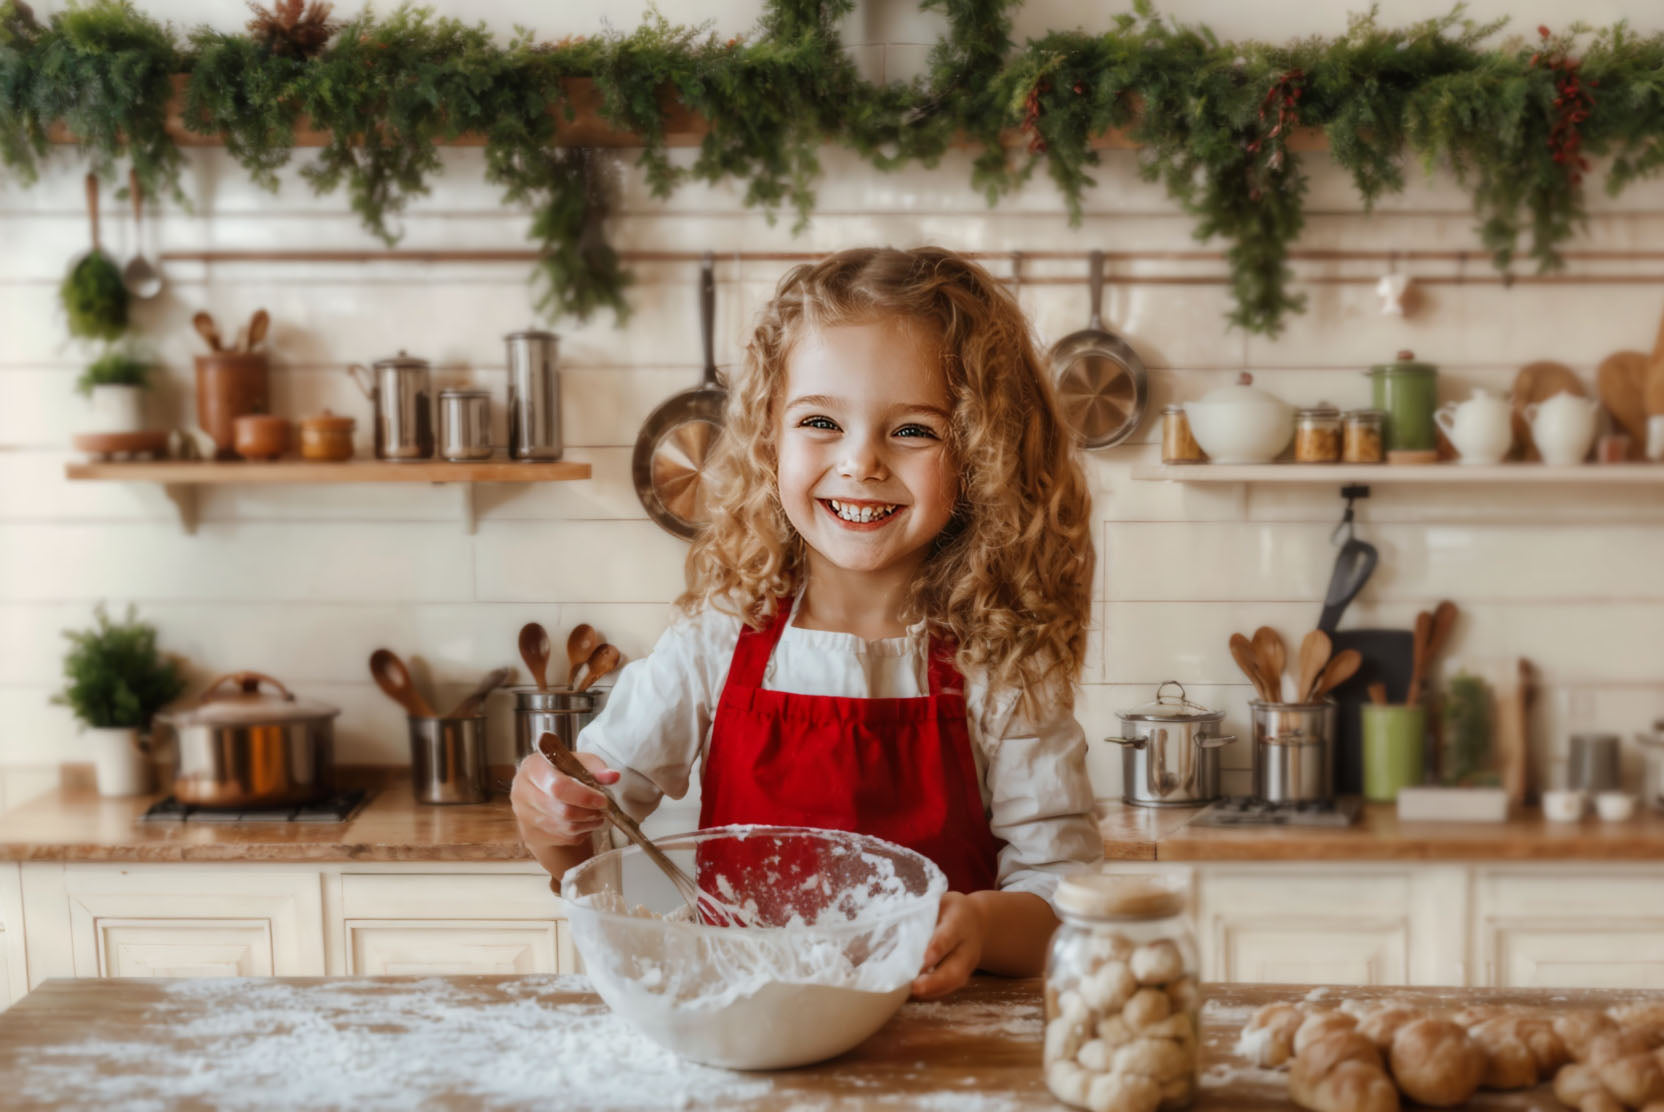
[
  {"x": 1248, "y": 811},
  {"x": 333, "y": 808}
]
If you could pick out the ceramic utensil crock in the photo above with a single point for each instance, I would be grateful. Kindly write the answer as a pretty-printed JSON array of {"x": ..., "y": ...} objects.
[{"x": 1170, "y": 751}]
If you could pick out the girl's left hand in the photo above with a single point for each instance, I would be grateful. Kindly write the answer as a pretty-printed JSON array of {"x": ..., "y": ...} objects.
[{"x": 954, "y": 950}]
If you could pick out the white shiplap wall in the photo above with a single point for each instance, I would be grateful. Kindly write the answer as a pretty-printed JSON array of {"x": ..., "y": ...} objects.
[{"x": 303, "y": 582}]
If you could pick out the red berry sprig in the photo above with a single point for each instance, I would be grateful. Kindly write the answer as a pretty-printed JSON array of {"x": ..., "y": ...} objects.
[
  {"x": 1031, "y": 116},
  {"x": 1572, "y": 104},
  {"x": 1283, "y": 96}
]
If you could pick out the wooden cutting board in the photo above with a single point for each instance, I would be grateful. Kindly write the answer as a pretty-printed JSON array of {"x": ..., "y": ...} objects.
[
  {"x": 1538, "y": 382},
  {"x": 1622, "y": 383}
]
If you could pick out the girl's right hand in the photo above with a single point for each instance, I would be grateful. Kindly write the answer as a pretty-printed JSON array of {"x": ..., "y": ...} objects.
[{"x": 552, "y": 809}]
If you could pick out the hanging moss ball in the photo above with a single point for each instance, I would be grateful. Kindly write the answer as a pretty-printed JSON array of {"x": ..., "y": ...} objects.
[{"x": 94, "y": 298}]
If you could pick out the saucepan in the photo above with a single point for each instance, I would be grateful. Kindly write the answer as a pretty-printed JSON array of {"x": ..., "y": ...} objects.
[{"x": 240, "y": 746}]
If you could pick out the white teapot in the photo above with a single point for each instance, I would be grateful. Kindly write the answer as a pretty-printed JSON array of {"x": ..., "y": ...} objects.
[
  {"x": 1481, "y": 428},
  {"x": 1563, "y": 428}
]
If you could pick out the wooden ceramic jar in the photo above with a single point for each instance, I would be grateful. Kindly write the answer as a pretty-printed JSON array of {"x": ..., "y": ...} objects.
[
  {"x": 326, "y": 438},
  {"x": 230, "y": 384}
]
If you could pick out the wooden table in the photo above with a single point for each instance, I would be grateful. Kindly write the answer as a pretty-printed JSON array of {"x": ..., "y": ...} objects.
[{"x": 548, "y": 1042}]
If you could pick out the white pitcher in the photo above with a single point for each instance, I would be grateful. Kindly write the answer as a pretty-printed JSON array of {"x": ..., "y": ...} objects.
[
  {"x": 1481, "y": 428},
  {"x": 1563, "y": 428}
]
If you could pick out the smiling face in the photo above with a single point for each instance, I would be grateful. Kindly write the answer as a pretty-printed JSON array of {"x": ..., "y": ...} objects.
[{"x": 866, "y": 473}]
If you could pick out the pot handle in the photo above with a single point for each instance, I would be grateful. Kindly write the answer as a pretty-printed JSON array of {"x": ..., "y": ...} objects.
[
  {"x": 1134, "y": 742},
  {"x": 250, "y": 683},
  {"x": 367, "y": 383},
  {"x": 1214, "y": 742}
]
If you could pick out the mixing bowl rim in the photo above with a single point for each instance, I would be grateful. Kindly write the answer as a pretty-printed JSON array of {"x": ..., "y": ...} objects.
[{"x": 934, "y": 890}]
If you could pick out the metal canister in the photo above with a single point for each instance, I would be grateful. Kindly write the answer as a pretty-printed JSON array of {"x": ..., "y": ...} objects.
[
  {"x": 551, "y": 710},
  {"x": 1294, "y": 745},
  {"x": 399, "y": 390},
  {"x": 533, "y": 395},
  {"x": 447, "y": 760},
  {"x": 464, "y": 424}
]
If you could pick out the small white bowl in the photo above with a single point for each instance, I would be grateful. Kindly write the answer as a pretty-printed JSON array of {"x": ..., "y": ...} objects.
[
  {"x": 1615, "y": 806},
  {"x": 1563, "y": 805}
]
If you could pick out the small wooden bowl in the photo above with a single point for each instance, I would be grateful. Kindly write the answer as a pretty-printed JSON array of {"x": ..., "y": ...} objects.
[{"x": 261, "y": 436}]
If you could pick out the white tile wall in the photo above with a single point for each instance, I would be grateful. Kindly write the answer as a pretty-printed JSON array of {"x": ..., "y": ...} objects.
[{"x": 303, "y": 582}]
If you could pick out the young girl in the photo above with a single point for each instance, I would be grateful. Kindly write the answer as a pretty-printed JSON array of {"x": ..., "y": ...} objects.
[{"x": 886, "y": 618}]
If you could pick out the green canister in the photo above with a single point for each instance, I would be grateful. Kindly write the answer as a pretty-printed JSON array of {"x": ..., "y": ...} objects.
[{"x": 1408, "y": 392}]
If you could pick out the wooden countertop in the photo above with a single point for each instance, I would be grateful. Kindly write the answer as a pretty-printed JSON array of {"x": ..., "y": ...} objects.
[
  {"x": 76, "y": 824},
  {"x": 546, "y": 1041}
]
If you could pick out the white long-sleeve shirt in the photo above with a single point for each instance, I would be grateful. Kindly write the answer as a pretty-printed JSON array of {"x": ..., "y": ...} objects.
[{"x": 1032, "y": 774}]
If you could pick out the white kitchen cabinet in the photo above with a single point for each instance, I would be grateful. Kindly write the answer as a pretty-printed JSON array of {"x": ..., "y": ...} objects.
[
  {"x": 1322, "y": 923},
  {"x": 14, "y": 973},
  {"x": 451, "y": 922},
  {"x": 1574, "y": 925}
]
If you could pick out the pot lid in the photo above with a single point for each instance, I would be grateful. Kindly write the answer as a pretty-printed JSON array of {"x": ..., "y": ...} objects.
[
  {"x": 1321, "y": 409},
  {"x": 532, "y": 334},
  {"x": 1404, "y": 364},
  {"x": 403, "y": 359},
  {"x": 329, "y": 422},
  {"x": 1100, "y": 895},
  {"x": 464, "y": 392},
  {"x": 1241, "y": 392},
  {"x": 237, "y": 699},
  {"x": 1170, "y": 708}
]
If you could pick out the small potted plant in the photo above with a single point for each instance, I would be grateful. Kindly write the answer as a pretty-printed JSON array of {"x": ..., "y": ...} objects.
[
  {"x": 115, "y": 680},
  {"x": 115, "y": 384}
]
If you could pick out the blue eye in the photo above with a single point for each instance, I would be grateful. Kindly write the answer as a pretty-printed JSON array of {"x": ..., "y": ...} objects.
[
  {"x": 818, "y": 423},
  {"x": 916, "y": 430}
]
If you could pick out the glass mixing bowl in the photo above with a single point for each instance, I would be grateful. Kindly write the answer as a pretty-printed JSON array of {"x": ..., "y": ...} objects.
[{"x": 842, "y": 924}]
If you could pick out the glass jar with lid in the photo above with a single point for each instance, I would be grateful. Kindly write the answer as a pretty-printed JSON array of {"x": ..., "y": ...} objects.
[
  {"x": 1364, "y": 440},
  {"x": 1178, "y": 443},
  {"x": 1317, "y": 434},
  {"x": 1122, "y": 994}
]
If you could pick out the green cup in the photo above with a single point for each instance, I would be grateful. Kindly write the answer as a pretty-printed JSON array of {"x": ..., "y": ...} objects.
[{"x": 1393, "y": 738}]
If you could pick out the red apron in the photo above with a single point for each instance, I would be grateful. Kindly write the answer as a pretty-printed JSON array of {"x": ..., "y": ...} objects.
[{"x": 898, "y": 769}]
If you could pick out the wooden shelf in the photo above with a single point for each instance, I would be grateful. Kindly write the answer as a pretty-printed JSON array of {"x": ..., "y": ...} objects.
[
  {"x": 181, "y": 479},
  {"x": 1328, "y": 474}
]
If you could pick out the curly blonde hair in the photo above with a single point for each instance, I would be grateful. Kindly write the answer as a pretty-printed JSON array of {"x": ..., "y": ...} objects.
[{"x": 1010, "y": 578}]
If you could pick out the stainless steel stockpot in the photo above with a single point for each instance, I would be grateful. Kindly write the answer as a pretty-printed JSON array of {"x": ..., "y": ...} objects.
[
  {"x": 464, "y": 425},
  {"x": 551, "y": 710},
  {"x": 239, "y": 746},
  {"x": 1294, "y": 745},
  {"x": 1170, "y": 754}
]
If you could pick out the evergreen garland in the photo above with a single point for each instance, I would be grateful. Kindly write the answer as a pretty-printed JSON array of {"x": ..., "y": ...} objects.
[{"x": 1517, "y": 122}]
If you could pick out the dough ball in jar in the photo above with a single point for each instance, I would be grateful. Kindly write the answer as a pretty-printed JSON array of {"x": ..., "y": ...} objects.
[
  {"x": 1185, "y": 994},
  {"x": 1114, "y": 1032},
  {"x": 1162, "y": 1059},
  {"x": 1158, "y": 962},
  {"x": 1068, "y": 1082},
  {"x": 1108, "y": 987},
  {"x": 1064, "y": 1039},
  {"x": 1123, "y": 1092},
  {"x": 1148, "y": 1006}
]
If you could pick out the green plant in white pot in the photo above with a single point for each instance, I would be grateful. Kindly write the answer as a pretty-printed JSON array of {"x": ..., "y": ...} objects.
[
  {"x": 115, "y": 385},
  {"x": 115, "y": 681}
]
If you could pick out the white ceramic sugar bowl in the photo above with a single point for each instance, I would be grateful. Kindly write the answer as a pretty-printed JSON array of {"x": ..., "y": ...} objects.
[
  {"x": 1563, "y": 428},
  {"x": 1122, "y": 994},
  {"x": 1481, "y": 428}
]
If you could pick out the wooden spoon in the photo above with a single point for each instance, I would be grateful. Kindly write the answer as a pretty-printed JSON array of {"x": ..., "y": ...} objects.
[
  {"x": 471, "y": 702},
  {"x": 1242, "y": 651},
  {"x": 1314, "y": 655},
  {"x": 579, "y": 644},
  {"x": 257, "y": 325},
  {"x": 1272, "y": 655},
  {"x": 394, "y": 680},
  {"x": 1378, "y": 694},
  {"x": 1444, "y": 617},
  {"x": 1341, "y": 667},
  {"x": 208, "y": 330},
  {"x": 535, "y": 648},
  {"x": 1418, "y": 656},
  {"x": 603, "y": 660}
]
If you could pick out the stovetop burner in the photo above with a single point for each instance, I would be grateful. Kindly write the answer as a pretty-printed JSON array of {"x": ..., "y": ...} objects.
[
  {"x": 333, "y": 808},
  {"x": 1245, "y": 810}
]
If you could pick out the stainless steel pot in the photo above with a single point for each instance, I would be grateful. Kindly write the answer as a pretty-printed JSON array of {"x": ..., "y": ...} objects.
[
  {"x": 447, "y": 760},
  {"x": 239, "y": 746},
  {"x": 464, "y": 425},
  {"x": 1170, "y": 756},
  {"x": 555, "y": 710},
  {"x": 1294, "y": 745},
  {"x": 399, "y": 389},
  {"x": 533, "y": 395}
]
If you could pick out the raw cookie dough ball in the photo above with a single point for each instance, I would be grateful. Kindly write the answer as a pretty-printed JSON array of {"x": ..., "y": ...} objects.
[
  {"x": 1267, "y": 1039},
  {"x": 1319, "y": 1024},
  {"x": 1108, "y": 946},
  {"x": 1162, "y": 1059},
  {"x": 1063, "y": 1039},
  {"x": 1381, "y": 1024},
  {"x": 1176, "y": 1026},
  {"x": 1147, "y": 1006},
  {"x": 1107, "y": 989},
  {"x": 1635, "y": 1080},
  {"x": 1068, "y": 1082},
  {"x": 1185, "y": 994},
  {"x": 1114, "y": 1032},
  {"x": 1575, "y": 1082},
  {"x": 1436, "y": 1063},
  {"x": 1508, "y": 1061},
  {"x": 1341, "y": 1072},
  {"x": 1156, "y": 963},
  {"x": 1577, "y": 1028},
  {"x": 1612, "y": 1045},
  {"x": 1123, "y": 1092},
  {"x": 1095, "y": 1055}
]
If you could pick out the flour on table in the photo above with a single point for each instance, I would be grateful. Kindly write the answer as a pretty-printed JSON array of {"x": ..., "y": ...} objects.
[{"x": 356, "y": 1044}]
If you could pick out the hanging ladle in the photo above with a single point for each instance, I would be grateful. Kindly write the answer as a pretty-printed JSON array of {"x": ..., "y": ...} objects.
[
  {"x": 394, "y": 680},
  {"x": 705, "y": 907},
  {"x": 534, "y": 650},
  {"x": 579, "y": 644}
]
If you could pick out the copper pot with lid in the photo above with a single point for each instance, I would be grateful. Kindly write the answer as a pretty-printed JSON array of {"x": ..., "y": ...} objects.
[{"x": 238, "y": 745}]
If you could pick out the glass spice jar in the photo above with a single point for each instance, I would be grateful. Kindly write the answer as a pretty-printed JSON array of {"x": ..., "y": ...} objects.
[
  {"x": 1122, "y": 994},
  {"x": 1363, "y": 441},
  {"x": 1317, "y": 435},
  {"x": 1178, "y": 444}
]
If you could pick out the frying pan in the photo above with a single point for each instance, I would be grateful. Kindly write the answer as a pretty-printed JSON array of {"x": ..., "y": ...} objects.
[
  {"x": 675, "y": 443},
  {"x": 1102, "y": 389}
]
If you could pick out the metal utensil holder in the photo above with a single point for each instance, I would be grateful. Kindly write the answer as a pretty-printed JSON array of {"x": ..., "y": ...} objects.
[
  {"x": 1294, "y": 745},
  {"x": 551, "y": 710},
  {"x": 447, "y": 759}
]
